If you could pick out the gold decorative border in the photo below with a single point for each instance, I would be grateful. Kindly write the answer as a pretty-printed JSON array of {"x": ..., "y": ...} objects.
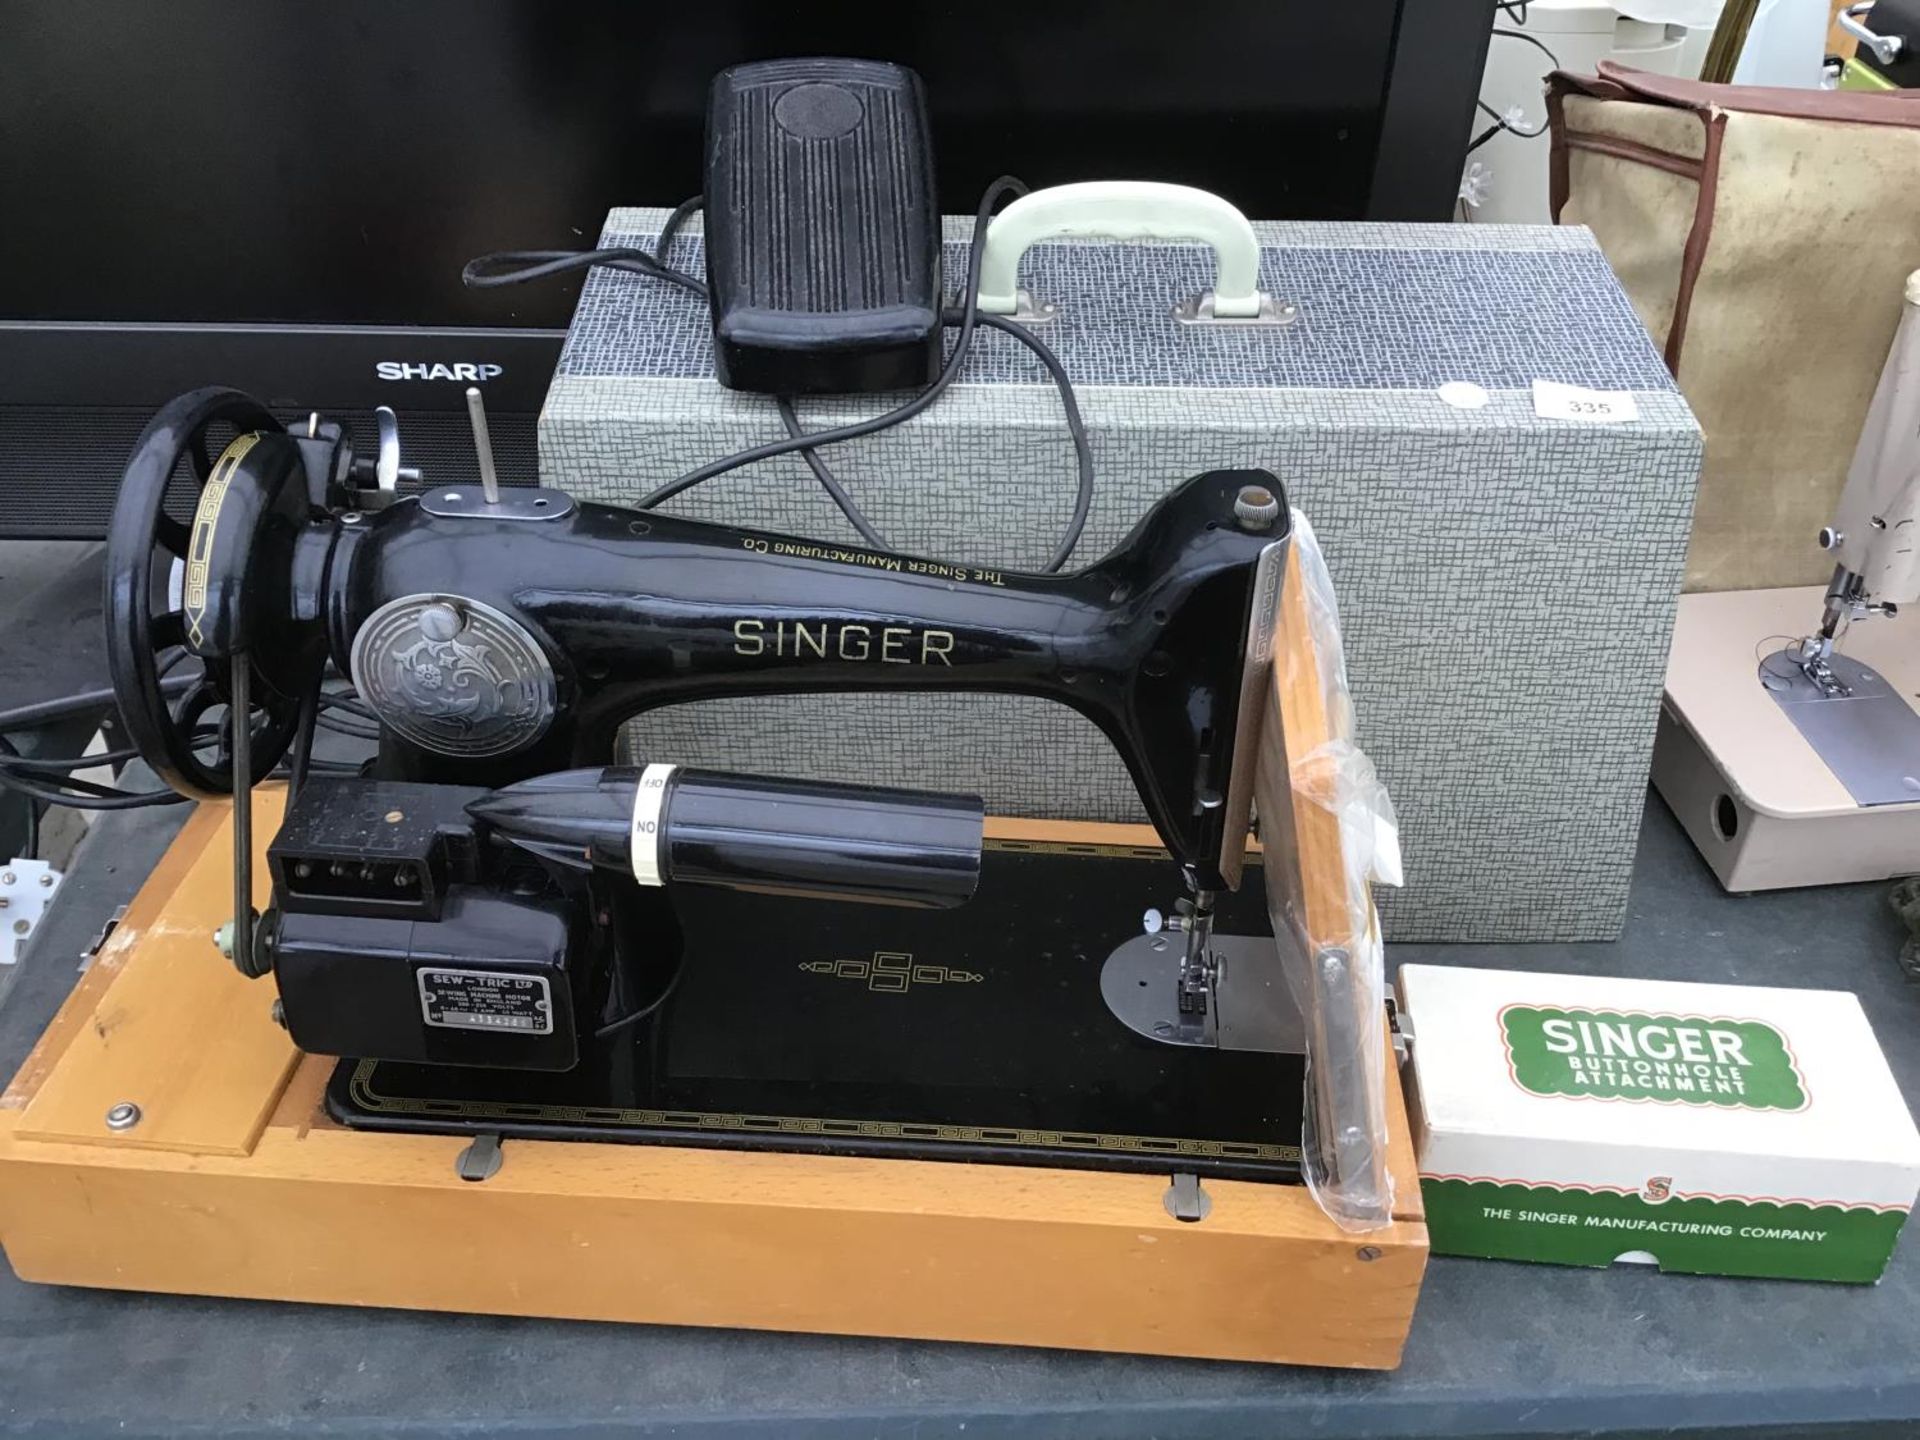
[
  {"x": 206, "y": 519},
  {"x": 366, "y": 1097}
]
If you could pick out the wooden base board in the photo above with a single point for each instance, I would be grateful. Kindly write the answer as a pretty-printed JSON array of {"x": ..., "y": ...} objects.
[{"x": 234, "y": 1182}]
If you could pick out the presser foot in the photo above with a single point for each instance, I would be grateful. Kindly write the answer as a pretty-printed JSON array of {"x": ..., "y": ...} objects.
[
  {"x": 1813, "y": 657},
  {"x": 1199, "y": 970},
  {"x": 1229, "y": 994},
  {"x": 1846, "y": 602}
]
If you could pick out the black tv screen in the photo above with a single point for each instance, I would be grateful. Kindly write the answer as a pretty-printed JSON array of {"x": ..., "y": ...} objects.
[
  {"x": 206, "y": 160},
  {"x": 281, "y": 195}
]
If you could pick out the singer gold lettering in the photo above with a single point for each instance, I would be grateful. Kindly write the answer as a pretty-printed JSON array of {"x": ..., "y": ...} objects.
[{"x": 842, "y": 640}]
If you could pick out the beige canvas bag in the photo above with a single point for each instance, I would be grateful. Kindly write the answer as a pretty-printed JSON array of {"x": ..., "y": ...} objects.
[{"x": 1762, "y": 236}]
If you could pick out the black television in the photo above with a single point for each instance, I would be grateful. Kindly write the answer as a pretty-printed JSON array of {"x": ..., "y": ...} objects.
[{"x": 280, "y": 195}]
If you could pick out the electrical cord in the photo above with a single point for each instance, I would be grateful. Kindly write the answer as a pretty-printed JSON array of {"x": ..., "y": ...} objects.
[
  {"x": 300, "y": 757},
  {"x": 352, "y": 732},
  {"x": 1500, "y": 122},
  {"x": 514, "y": 267},
  {"x": 899, "y": 414},
  {"x": 70, "y": 707},
  {"x": 101, "y": 797},
  {"x": 326, "y": 703},
  {"x": 633, "y": 1017},
  {"x": 966, "y": 316},
  {"x": 1531, "y": 40},
  {"x": 681, "y": 213},
  {"x": 789, "y": 417},
  {"x": 1076, "y": 427},
  {"x": 348, "y": 701},
  {"x": 829, "y": 482},
  {"x": 1500, "y": 125},
  {"x": 21, "y": 774},
  {"x": 51, "y": 781},
  {"x": 92, "y": 788},
  {"x": 485, "y": 273},
  {"x": 1510, "y": 127},
  {"x": 93, "y": 797},
  {"x": 14, "y": 760},
  {"x": 47, "y": 712}
]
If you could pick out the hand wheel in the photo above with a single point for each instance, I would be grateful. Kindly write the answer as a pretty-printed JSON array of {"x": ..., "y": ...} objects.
[{"x": 147, "y": 575}]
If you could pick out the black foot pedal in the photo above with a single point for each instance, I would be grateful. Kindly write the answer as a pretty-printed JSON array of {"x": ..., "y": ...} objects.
[{"x": 823, "y": 228}]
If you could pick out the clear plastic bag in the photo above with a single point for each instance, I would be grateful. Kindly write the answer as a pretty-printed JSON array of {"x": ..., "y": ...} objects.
[{"x": 1328, "y": 836}]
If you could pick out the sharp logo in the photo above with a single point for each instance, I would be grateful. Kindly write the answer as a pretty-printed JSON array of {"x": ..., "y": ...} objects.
[{"x": 471, "y": 374}]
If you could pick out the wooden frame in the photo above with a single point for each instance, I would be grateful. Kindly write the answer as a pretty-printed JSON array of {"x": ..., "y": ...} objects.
[{"x": 234, "y": 1182}]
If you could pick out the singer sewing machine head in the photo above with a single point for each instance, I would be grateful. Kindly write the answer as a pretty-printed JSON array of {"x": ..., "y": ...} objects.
[
  {"x": 479, "y": 899},
  {"x": 498, "y": 638}
]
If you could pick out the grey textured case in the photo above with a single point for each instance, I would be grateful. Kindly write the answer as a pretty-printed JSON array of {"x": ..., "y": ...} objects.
[{"x": 1507, "y": 584}]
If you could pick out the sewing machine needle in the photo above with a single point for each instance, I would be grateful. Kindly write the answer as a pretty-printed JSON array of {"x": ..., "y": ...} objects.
[{"x": 483, "y": 445}]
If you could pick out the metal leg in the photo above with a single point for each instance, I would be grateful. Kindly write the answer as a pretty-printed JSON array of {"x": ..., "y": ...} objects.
[{"x": 240, "y": 721}]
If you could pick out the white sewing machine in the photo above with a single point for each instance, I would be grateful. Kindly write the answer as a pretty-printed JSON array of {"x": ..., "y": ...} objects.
[{"x": 1788, "y": 761}]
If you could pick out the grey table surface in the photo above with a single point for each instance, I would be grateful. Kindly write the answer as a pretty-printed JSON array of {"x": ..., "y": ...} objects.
[{"x": 1496, "y": 1349}]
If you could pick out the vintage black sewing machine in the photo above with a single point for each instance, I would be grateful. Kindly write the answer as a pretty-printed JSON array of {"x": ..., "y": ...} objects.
[
  {"x": 491, "y": 949},
  {"x": 504, "y": 937}
]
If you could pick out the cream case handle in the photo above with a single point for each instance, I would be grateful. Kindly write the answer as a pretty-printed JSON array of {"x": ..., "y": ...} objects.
[{"x": 1123, "y": 210}]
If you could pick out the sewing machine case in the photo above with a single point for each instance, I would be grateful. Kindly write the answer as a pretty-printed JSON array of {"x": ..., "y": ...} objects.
[{"x": 1507, "y": 583}]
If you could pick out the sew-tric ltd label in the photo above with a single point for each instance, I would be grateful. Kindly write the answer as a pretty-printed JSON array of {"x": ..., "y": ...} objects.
[{"x": 486, "y": 1000}]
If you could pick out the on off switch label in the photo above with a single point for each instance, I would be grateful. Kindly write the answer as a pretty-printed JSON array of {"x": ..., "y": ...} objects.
[{"x": 486, "y": 1000}]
